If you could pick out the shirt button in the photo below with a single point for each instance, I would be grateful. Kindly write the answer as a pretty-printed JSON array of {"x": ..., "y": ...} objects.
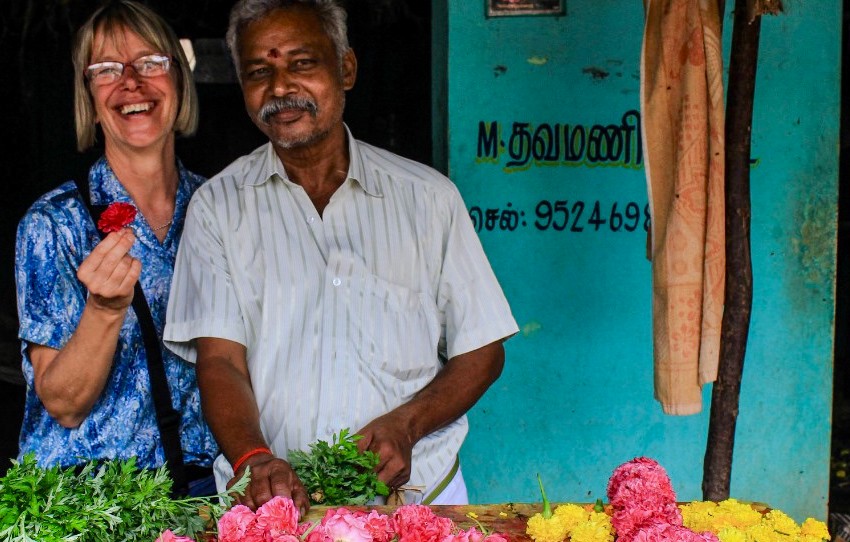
[
  {"x": 311, "y": 219},
  {"x": 337, "y": 281}
]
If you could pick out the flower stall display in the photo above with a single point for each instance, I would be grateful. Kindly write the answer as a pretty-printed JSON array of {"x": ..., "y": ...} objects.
[
  {"x": 337, "y": 473},
  {"x": 116, "y": 501},
  {"x": 642, "y": 507},
  {"x": 569, "y": 522},
  {"x": 278, "y": 521},
  {"x": 101, "y": 502},
  {"x": 733, "y": 521}
]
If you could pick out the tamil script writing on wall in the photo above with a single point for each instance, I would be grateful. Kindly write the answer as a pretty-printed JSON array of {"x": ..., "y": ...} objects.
[
  {"x": 520, "y": 145},
  {"x": 563, "y": 215}
]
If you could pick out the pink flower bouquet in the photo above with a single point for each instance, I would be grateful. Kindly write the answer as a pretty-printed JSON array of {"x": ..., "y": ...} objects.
[
  {"x": 641, "y": 495},
  {"x": 279, "y": 521}
]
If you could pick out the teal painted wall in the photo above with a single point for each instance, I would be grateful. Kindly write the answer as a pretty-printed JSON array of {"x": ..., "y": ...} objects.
[{"x": 575, "y": 399}]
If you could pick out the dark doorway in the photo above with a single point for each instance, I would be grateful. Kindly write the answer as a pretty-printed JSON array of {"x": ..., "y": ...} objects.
[
  {"x": 390, "y": 107},
  {"x": 839, "y": 490}
]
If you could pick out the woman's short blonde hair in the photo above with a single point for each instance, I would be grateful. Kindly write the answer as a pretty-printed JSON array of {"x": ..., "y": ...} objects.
[{"x": 151, "y": 28}]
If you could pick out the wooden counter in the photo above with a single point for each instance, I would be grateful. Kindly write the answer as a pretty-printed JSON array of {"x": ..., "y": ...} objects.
[{"x": 509, "y": 518}]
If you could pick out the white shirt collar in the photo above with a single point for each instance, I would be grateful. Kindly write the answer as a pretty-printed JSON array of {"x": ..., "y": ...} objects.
[{"x": 356, "y": 171}]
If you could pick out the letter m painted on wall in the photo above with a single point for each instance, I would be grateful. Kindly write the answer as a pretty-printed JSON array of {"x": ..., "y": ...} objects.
[{"x": 488, "y": 139}]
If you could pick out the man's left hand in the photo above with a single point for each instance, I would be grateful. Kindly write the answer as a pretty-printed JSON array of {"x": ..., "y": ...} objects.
[
  {"x": 453, "y": 391},
  {"x": 388, "y": 436}
]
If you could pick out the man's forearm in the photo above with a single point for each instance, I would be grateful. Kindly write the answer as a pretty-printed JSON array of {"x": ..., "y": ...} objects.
[
  {"x": 455, "y": 389},
  {"x": 448, "y": 396},
  {"x": 227, "y": 398}
]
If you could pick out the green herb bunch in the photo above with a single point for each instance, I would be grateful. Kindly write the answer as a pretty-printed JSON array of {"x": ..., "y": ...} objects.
[
  {"x": 102, "y": 502},
  {"x": 338, "y": 473}
]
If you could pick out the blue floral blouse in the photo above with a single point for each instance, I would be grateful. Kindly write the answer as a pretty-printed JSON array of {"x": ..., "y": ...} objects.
[{"x": 53, "y": 239}]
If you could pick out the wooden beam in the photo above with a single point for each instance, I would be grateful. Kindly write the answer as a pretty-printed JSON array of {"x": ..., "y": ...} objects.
[{"x": 717, "y": 467}]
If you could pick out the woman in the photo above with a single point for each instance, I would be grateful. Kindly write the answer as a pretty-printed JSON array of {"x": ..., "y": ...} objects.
[{"x": 88, "y": 393}]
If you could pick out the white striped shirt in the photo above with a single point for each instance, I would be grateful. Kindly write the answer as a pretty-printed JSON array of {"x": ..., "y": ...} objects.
[{"x": 347, "y": 315}]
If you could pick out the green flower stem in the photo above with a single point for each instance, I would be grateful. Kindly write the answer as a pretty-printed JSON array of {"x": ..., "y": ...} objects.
[{"x": 547, "y": 507}]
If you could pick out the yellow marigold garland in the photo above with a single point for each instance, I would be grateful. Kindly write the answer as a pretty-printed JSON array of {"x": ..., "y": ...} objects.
[
  {"x": 730, "y": 520},
  {"x": 701, "y": 516},
  {"x": 553, "y": 529},
  {"x": 733, "y": 521},
  {"x": 814, "y": 528},
  {"x": 571, "y": 514},
  {"x": 731, "y": 534},
  {"x": 595, "y": 528}
]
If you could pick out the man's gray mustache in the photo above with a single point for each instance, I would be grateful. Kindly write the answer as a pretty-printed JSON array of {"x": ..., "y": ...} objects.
[{"x": 276, "y": 105}]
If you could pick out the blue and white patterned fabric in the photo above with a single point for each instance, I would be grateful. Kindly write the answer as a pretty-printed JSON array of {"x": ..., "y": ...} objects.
[{"x": 53, "y": 239}]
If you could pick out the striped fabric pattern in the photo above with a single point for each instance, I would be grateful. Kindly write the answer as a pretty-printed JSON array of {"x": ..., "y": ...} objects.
[{"x": 345, "y": 316}]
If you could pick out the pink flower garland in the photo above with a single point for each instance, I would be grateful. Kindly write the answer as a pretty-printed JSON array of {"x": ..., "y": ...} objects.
[
  {"x": 168, "y": 536},
  {"x": 418, "y": 523},
  {"x": 644, "y": 505},
  {"x": 343, "y": 525},
  {"x": 275, "y": 521},
  {"x": 278, "y": 521},
  {"x": 665, "y": 532}
]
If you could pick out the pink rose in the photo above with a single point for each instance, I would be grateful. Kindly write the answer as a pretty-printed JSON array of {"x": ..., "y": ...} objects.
[
  {"x": 470, "y": 535},
  {"x": 236, "y": 524},
  {"x": 303, "y": 528},
  {"x": 116, "y": 217},
  {"x": 342, "y": 525},
  {"x": 278, "y": 516},
  {"x": 168, "y": 536},
  {"x": 418, "y": 523},
  {"x": 380, "y": 526},
  {"x": 495, "y": 537},
  {"x": 318, "y": 534}
]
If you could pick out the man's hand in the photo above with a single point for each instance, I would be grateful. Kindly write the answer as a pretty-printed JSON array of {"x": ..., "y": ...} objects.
[
  {"x": 271, "y": 477},
  {"x": 231, "y": 411},
  {"x": 389, "y": 437},
  {"x": 461, "y": 382}
]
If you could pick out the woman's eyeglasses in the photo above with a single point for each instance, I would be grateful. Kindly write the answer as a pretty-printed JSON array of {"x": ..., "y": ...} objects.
[{"x": 105, "y": 73}]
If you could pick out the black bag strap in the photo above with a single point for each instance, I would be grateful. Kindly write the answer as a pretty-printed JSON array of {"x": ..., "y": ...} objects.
[{"x": 167, "y": 419}]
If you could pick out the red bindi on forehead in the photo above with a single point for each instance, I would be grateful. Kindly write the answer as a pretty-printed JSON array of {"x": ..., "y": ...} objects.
[{"x": 274, "y": 53}]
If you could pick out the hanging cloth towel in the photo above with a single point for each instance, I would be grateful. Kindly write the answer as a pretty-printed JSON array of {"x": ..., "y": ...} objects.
[{"x": 682, "y": 119}]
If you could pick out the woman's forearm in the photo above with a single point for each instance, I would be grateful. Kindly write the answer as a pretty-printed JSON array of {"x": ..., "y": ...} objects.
[{"x": 70, "y": 380}]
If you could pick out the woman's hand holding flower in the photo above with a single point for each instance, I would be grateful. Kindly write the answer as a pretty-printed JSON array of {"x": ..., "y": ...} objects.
[
  {"x": 109, "y": 273},
  {"x": 70, "y": 380}
]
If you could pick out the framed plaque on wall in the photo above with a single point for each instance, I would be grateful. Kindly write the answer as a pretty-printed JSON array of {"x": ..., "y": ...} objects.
[{"x": 501, "y": 8}]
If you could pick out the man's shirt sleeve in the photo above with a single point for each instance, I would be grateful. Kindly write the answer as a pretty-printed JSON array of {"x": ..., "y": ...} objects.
[
  {"x": 202, "y": 301},
  {"x": 476, "y": 310}
]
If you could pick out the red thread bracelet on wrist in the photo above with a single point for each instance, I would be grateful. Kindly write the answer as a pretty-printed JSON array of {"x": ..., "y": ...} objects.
[{"x": 249, "y": 454}]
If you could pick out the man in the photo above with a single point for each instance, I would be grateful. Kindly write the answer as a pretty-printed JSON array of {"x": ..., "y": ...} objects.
[{"x": 325, "y": 284}]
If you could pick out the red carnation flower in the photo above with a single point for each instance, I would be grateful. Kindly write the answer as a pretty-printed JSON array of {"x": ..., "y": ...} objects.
[{"x": 116, "y": 217}]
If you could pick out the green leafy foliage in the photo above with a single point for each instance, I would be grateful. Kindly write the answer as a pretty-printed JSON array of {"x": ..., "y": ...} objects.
[
  {"x": 338, "y": 473},
  {"x": 106, "y": 501}
]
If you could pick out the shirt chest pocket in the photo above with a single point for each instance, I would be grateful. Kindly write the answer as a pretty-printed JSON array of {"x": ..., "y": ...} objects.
[{"x": 395, "y": 328}]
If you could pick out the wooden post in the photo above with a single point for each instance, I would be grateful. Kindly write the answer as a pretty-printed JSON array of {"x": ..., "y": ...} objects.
[{"x": 717, "y": 468}]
